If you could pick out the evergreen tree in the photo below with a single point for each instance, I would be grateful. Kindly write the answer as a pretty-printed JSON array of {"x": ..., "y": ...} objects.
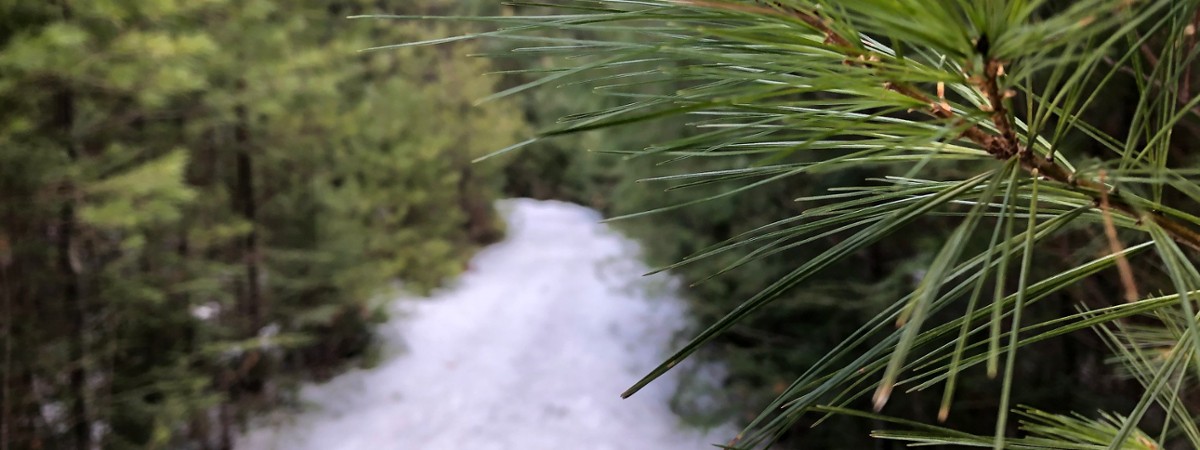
[{"x": 203, "y": 202}]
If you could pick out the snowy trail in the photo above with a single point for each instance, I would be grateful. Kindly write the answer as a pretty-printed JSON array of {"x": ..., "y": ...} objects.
[{"x": 529, "y": 350}]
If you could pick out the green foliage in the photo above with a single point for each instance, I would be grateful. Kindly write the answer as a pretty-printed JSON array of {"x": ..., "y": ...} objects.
[
  {"x": 201, "y": 203},
  {"x": 973, "y": 140}
]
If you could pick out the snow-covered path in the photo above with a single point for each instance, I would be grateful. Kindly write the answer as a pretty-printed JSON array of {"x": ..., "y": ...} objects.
[{"x": 529, "y": 350}]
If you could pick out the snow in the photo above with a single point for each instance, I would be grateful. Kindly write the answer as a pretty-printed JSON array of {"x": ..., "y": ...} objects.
[{"x": 530, "y": 349}]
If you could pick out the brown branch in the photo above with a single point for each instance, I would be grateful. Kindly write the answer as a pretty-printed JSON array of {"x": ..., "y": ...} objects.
[
  {"x": 1114, "y": 245},
  {"x": 1148, "y": 53},
  {"x": 1006, "y": 144},
  {"x": 1001, "y": 146}
]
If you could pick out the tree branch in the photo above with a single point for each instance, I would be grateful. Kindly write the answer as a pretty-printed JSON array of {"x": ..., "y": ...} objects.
[{"x": 1003, "y": 145}]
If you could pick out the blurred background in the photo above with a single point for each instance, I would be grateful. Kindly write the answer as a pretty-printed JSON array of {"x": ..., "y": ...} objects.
[{"x": 207, "y": 204}]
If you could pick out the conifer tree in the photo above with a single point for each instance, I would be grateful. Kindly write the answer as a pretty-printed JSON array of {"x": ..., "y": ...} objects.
[{"x": 203, "y": 203}]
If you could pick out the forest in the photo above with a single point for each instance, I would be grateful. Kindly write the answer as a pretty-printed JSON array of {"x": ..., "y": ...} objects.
[
  {"x": 202, "y": 202},
  {"x": 206, "y": 205}
]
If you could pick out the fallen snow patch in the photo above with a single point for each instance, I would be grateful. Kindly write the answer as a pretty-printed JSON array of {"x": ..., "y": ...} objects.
[{"x": 530, "y": 349}]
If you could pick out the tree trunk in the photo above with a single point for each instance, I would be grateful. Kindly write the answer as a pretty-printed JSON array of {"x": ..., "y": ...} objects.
[
  {"x": 481, "y": 219},
  {"x": 74, "y": 302},
  {"x": 6, "y": 371},
  {"x": 249, "y": 210},
  {"x": 225, "y": 417},
  {"x": 236, "y": 381}
]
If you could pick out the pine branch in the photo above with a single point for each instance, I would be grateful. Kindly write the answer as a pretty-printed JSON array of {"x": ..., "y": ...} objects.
[{"x": 1002, "y": 145}]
